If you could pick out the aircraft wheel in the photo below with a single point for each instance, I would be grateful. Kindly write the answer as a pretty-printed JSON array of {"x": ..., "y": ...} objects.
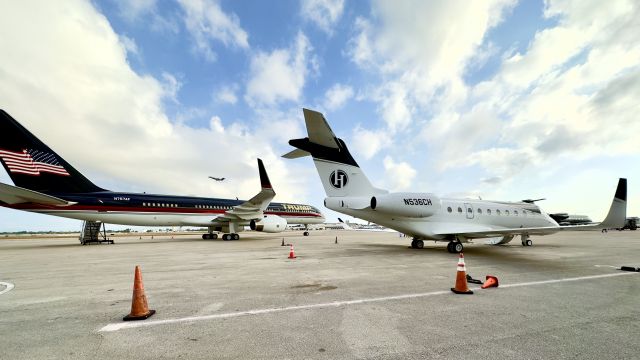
[
  {"x": 457, "y": 247},
  {"x": 413, "y": 244},
  {"x": 529, "y": 243},
  {"x": 450, "y": 247},
  {"x": 419, "y": 244},
  {"x": 306, "y": 233},
  {"x": 235, "y": 236}
]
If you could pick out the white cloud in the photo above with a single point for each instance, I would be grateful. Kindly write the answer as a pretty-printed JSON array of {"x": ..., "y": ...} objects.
[
  {"x": 206, "y": 21},
  {"x": 324, "y": 13},
  {"x": 68, "y": 81},
  {"x": 281, "y": 74},
  {"x": 227, "y": 94},
  {"x": 369, "y": 142},
  {"x": 337, "y": 96},
  {"x": 401, "y": 174}
]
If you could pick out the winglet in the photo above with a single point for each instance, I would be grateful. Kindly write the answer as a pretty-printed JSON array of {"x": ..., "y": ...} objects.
[
  {"x": 618, "y": 210},
  {"x": 264, "y": 178}
]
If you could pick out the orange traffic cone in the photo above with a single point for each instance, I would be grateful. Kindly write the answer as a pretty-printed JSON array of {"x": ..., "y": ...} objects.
[
  {"x": 292, "y": 255},
  {"x": 461, "y": 278},
  {"x": 491, "y": 281},
  {"x": 139, "y": 308}
]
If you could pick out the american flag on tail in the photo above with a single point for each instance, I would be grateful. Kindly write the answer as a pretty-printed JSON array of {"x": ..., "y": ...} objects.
[{"x": 32, "y": 162}]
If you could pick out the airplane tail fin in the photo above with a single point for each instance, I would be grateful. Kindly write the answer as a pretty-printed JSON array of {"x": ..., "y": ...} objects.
[
  {"x": 618, "y": 210},
  {"x": 339, "y": 172},
  {"x": 33, "y": 165}
]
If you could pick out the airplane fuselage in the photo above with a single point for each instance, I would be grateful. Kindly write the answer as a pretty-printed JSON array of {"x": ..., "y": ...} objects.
[
  {"x": 443, "y": 213},
  {"x": 160, "y": 210}
]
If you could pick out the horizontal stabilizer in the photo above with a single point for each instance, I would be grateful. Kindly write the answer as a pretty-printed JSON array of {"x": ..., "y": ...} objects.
[
  {"x": 319, "y": 131},
  {"x": 296, "y": 153},
  {"x": 16, "y": 195}
]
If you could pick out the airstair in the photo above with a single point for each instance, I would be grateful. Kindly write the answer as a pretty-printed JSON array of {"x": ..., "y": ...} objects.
[{"x": 91, "y": 233}]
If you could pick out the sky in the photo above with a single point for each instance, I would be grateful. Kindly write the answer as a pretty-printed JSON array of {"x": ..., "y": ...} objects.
[{"x": 498, "y": 99}]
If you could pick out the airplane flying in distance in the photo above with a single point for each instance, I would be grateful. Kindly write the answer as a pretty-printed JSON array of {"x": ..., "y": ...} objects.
[
  {"x": 216, "y": 179},
  {"x": 425, "y": 216},
  {"x": 45, "y": 183}
]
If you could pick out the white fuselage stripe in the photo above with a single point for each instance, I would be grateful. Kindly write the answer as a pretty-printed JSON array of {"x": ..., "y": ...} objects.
[{"x": 129, "y": 325}]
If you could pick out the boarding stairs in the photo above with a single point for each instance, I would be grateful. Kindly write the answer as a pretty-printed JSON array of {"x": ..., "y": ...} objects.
[{"x": 91, "y": 233}]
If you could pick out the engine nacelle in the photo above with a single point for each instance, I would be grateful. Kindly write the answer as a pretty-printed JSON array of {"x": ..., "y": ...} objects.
[
  {"x": 269, "y": 224},
  {"x": 346, "y": 202},
  {"x": 406, "y": 204}
]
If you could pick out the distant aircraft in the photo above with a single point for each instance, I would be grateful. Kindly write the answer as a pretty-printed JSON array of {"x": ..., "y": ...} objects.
[
  {"x": 425, "y": 216},
  {"x": 216, "y": 179},
  {"x": 47, "y": 184}
]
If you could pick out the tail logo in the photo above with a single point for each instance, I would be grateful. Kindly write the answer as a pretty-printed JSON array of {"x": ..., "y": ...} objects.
[
  {"x": 338, "y": 179},
  {"x": 32, "y": 162}
]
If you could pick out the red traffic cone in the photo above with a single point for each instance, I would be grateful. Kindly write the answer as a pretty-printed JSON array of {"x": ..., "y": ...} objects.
[
  {"x": 491, "y": 281},
  {"x": 139, "y": 308},
  {"x": 292, "y": 255},
  {"x": 461, "y": 278}
]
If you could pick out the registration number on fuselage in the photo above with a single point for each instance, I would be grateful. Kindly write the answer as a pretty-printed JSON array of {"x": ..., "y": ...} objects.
[{"x": 417, "y": 202}]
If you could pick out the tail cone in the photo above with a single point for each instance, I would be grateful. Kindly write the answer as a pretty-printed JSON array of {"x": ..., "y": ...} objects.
[
  {"x": 139, "y": 308},
  {"x": 461, "y": 278}
]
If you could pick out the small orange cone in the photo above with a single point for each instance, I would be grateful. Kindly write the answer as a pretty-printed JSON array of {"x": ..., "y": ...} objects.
[
  {"x": 292, "y": 255},
  {"x": 491, "y": 281},
  {"x": 461, "y": 278},
  {"x": 139, "y": 308}
]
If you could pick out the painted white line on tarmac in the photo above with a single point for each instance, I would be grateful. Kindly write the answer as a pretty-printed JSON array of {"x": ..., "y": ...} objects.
[
  {"x": 129, "y": 325},
  {"x": 9, "y": 287}
]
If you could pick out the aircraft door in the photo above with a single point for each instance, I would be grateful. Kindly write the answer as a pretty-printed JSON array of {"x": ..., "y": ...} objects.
[{"x": 469, "y": 210}]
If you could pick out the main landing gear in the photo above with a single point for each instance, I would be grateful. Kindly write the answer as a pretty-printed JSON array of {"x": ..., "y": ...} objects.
[
  {"x": 455, "y": 247},
  {"x": 417, "y": 244},
  {"x": 228, "y": 237},
  {"x": 209, "y": 236},
  {"x": 306, "y": 233},
  {"x": 525, "y": 240}
]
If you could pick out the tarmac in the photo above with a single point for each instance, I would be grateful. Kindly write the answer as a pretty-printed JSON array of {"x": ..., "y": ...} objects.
[{"x": 368, "y": 297}]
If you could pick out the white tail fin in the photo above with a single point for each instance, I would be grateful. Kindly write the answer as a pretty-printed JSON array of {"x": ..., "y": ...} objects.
[
  {"x": 339, "y": 172},
  {"x": 618, "y": 210}
]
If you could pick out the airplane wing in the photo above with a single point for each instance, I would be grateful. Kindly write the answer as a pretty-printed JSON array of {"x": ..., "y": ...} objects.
[
  {"x": 16, "y": 195},
  {"x": 615, "y": 219}
]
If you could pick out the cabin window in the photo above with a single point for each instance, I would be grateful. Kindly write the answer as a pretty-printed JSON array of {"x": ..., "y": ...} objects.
[
  {"x": 498, "y": 212},
  {"x": 469, "y": 210},
  {"x": 459, "y": 209},
  {"x": 479, "y": 211},
  {"x": 506, "y": 212},
  {"x": 449, "y": 209},
  {"x": 488, "y": 211}
]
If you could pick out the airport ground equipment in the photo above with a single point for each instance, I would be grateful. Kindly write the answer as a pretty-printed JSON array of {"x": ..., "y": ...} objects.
[
  {"x": 461, "y": 286},
  {"x": 139, "y": 307},
  {"x": 94, "y": 232}
]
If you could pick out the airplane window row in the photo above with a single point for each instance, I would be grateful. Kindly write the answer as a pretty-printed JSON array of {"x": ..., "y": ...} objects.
[
  {"x": 213, "y": 207},
  {"x": 160, "y": 205},
  {"x": 479, "y": 211}
]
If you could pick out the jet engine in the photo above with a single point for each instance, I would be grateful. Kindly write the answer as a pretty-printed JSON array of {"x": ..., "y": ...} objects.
[
  {"x": 406, "y": 204},
  {"x": 269, "y": 224}
]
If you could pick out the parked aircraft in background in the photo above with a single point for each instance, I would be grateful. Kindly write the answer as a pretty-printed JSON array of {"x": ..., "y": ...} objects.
[
  {"x": 425, "y": 216},
  {"x": 47, "y": 184},
  {"x": 216, "y": 179}
]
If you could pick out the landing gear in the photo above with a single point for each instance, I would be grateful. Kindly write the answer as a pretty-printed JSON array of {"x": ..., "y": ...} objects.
[
  {"x": 209, "y": 236},
  {"x": 417, "y": 244},
  {"x": 455, "y": 247},
  {"x": 306, "y": 233},
  {"x": 525, "y": 240},
  {"x": 228, "y": 237}
]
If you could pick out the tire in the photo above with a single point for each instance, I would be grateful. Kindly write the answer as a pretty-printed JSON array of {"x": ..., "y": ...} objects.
[
  {"x": 450, "y": 247},
  {"x": 205, "y": 236},
  {"x": 225, "y": 237},
  {"x": 419, "y": 244},
  {"x": 413, "y": 244},
  {"x": 306, "y": 233},
  {"x": 235, "y": 236},
  {"x": 457, "y": 247},
  {"x": 214, "y": 236},
  {"x": 529, "y": 242}
]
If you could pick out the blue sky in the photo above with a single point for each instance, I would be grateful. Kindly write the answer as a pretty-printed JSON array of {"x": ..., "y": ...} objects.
[{"x": 501, "y": 99}]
